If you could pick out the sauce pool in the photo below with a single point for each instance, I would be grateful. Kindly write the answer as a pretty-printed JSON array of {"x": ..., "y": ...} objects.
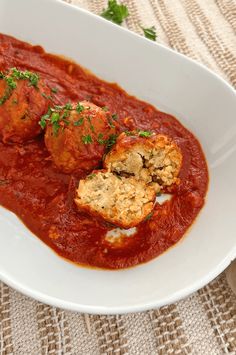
[{"x": 32, "y": 188}]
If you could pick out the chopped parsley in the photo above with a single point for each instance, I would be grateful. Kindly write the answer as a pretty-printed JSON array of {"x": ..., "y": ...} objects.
[
  {"x": 54, "y": 90},
  {"x": 87, "y": 139},
  {"x": 139, "y": 132},
  {"x": 111, "y": 140},
  {"x": 105, "y": 108},
  {"x": 100, "y": 139},
  {"x": 115, "y": 12},
  {"x": 48, "y": 97},
  {"x": 110, "y": 123},
  {"x": 89, "y": 118},
  {"x": 114, "y": 116},
  {"x": 129, "y": 133},
  {"x": 68, "y": 106},
  {"x": 79, "y": 122},
  {"x": 149, "y": 216},
  {"x": 79, "y": 108},
  {"x": 11, "y": 78},
  {"x": 144, "y": 134},
  {"x": 45, "y": 118},
  {"x": 91, "y": 176},
  {"x": 150, "y": 33},
  {"x": 25, "y": 75},
  {"x": 55, "y": 118}
]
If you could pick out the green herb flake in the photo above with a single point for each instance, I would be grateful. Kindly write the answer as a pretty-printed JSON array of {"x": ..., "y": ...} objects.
[
  {"x": 105, "y": 108},
  {"x": 43, "y": 122},
  {"x": 48, "y": 97},
  {"x": 68, "y": 106},
  {"x": 87, "y": 139},
  {"x": 111, "y": 140},
  {"x": 114, "y": 116},
  {"x": 79, "y": 122},
  {"x": 100, "y": 139},
  {"x": 54, "y": 90},
  {"x": 55, "y": 117},
  {"x": 128, "y": 133},
  {"x": 79, "y": 108},
  {"x": 10, "y": 79},
  {"x": 110, "y": 123},
  {"x": 144, "y": 134},
  {"x": 150, "y": 33},
  {"x": 89, "y": 118},
  {"x": 149, "y": 216},
  {"x": 91, "y": 176},
  {"x": 115, "y": 12}
]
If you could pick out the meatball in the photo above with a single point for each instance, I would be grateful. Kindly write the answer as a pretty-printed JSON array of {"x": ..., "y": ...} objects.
[
  {"x": 152, "y": 158},
  {"x": 23, "y": 100},
  {"x": 124, "y": 202},
  {"x": 77, "y": 136}
]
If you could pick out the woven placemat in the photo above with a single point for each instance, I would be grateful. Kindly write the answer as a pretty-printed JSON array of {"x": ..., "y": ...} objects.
[{"x": 204, "y": 323}]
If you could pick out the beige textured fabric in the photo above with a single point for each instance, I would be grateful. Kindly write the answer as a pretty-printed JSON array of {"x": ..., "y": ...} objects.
[{"x": 202, "y": 324}]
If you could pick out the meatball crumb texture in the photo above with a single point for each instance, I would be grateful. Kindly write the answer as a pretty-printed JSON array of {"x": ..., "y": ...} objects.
[
  {"x": 152, "y": 158},
  {"x": 124, "y": 202},
  {"x": 77, "y": 135},
  {"x": 23, "y": 100}
]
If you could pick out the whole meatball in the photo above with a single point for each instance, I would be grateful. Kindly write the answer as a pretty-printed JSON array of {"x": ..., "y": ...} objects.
[
  {"x": 23, "y": 100},
  {"x": 77, "y": 135}
]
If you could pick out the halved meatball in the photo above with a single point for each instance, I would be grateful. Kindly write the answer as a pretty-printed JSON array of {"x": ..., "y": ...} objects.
[
  {"x": 77, "y": 136},
  {"x": 23, "y": 100},
  {"x": 124, "y": 202},
  {"x": 152, "y": 158}
]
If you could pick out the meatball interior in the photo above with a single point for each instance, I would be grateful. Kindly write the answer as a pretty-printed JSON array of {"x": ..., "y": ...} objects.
[
  {"x": 154, "y": 159},
  {"x": 23, "y": 100},
  {"x": 77, "y": 136},
  {"x": 124, "y": 202}
]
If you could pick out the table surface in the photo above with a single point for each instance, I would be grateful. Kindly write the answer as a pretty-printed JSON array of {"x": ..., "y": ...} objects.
[{"x": 205, "y": 322}]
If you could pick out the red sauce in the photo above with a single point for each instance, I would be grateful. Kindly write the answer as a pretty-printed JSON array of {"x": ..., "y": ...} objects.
[{"x": 32, "y": 188}]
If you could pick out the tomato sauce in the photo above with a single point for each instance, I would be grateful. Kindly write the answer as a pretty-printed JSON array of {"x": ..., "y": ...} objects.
[{"x": 42, "y": 197}]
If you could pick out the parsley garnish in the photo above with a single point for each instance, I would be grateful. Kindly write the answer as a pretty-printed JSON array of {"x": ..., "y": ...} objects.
[
  {"x": 79, "y": 122},
  {"x": 89, "y": 118},
  {"x": 79, "y": 108},
  {"x": 111, "y": 140},
  {"x": 115, "y": 12},
  {"x": 114, "y": 116},
  {"x": 54, "y": 90},
  {"x": 55, "y": 119},
  {"x": 105, "y": 108},
  {"x": 68, "y": 106},
  {"x": 87, "y": 139},
  {"x": 144, "y": 134},
  {"x": 149, "y": 216},
  {"x": 48, "y": 97},
  {"x": 111, "y": 123},
  {"x": 100, "y": 139},
  {"x": 10, "y": 79},
  {"x": 150, "y": 33},
  {"x": 128, "y": 133},
  {"x": 91, "y": 176},
  {"x": 45, "y": 118},
  {"x": 25, "y": 75}
]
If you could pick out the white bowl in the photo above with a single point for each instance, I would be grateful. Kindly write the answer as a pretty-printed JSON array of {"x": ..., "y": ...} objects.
[{"x": 201, "y": 100}]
